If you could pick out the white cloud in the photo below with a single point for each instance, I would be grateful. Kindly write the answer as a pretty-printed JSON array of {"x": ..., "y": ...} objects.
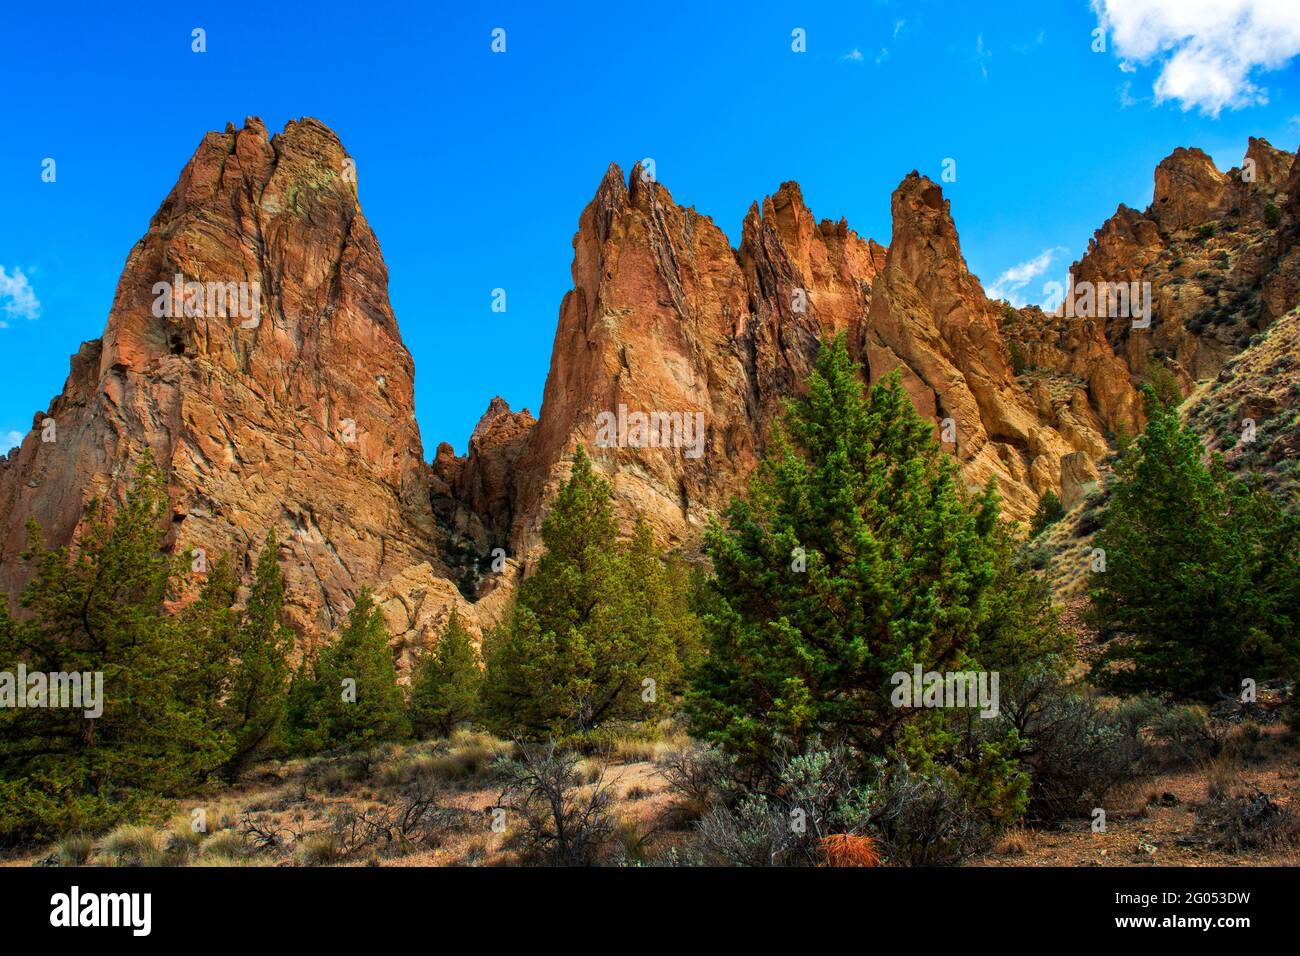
[
  {"x": 982, "y": 56},
  {"x": 10, "y": 440},
  {"x": 17, "y": 298},
  {"x": 855, "y": 55},
  {"x": 1209, "y": 51},
  {"x": 1011, "y": 284}
]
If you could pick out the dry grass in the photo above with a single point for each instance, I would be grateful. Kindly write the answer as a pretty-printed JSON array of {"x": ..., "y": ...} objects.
[
  {"x": 1015, "y": 842},
  {"x": 228, "y": 844},
  {"x": 1221, "y": 778},
  {"x": 290, "y": 818},
  {"x": 648, "y": 749},
  {"x": 631, "y": 750},
  {"x": 590, "y": 770},
  {"x": 318, "y": 849},
  {"x": 75, "y": 849},
  {"x": 847, "y": 849},
  {"x": 468, "y": 754},
  {"x": 134, "y": 845}
]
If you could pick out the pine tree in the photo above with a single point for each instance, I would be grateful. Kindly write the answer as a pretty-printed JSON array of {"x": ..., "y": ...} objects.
[
  {"x": 253, "y": 707},
  {"x": 662, "y": 632},
  {"x": 594, "y": 634},
  {"x": 97, "y": 608},
  {"x": 445, "y": 682},
  {"x": 1198, "y": 586},
  {"x": 210, "y": 628},
  {"x": 349, "y": 696},
  {"x": 857, "y": 555}
]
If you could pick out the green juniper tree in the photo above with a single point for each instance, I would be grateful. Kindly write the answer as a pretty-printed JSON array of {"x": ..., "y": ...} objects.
[
  {"x": 1049, "y": 511},
  {"x": 210, "y": 624},
  {"x": 857, "y": 555},
  {"x": 1200, "y": 583},
  {"x": 97, "y": 607},
  {"x": 348, "y": 696},
  {"x": 595, "y": 633},
  {"x": 253, "y": 706},
  {"x": 445, "y": 682}
]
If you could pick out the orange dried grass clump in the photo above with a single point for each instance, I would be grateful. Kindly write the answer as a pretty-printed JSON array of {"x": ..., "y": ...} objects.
[{"x": 846, "y": 849}]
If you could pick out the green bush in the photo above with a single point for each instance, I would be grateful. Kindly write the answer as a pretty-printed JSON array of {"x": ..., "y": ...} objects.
[
  {"x": 445, "y": 682},
  {"x": 1050, "y": 510},
  {"x": 1201, "y": 581},
  {"x": 1018, "y": 362},
  {"x": 1190, "y": 734},
  {"x": 1076, "y": 748},
  {"x": 348, "y": 697},
  {"x": 858, "y": 554},
  {"x": 598, "y": 633},
  {"x": 812, "y": 796},
  {"x": 926, "y": 819}
]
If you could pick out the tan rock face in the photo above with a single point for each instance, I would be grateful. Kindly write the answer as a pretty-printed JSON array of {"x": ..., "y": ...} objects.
[
  {"x": 1189, "y": 189},
  {"x": 1291, "y": 197},
  {"x": 931, "y": 320},
  {"x": 1218, "y": 269},
  {"x": 673, "y": 356},
  {"x": 300, "y": 418},
  {"x": 1079, "y": 477},
  {"x": 417, "y": 603},
  {"x": 666, "y": 317},
  {"x": 655, "y": 324},
  {"x": 666, "y": 320}
]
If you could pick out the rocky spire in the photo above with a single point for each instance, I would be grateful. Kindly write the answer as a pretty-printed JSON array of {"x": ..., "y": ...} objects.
[{"x": 251, "y": 346}]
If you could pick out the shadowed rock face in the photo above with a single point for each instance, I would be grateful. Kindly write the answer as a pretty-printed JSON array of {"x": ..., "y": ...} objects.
[
  {"x": 474, "y": 495},
  {"x": 303, "y": 421}
]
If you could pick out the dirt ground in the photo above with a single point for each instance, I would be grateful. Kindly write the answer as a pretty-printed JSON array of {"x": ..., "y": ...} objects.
[
  {"x": 288, "y": 814},
  {"x": 1153, "y": 823}
]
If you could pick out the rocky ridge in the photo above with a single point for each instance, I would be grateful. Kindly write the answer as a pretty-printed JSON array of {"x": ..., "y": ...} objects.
[{"x": 304, "y": 422}]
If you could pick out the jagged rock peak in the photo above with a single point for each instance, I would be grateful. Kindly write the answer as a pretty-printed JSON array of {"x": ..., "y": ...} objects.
[
  {"x": 1271, "y": 164},
  {"x": 287, "y": 404},
  {"x": 1188, "y": 189},
  {"x": 498, "y": 412},
  {"x": 919, "y": 200}
]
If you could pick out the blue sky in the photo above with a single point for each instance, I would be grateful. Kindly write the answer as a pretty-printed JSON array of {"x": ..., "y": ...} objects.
[{"x": 473, "y": 167}]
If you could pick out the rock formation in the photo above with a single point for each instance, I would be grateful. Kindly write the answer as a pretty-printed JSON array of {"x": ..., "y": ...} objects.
[
  {"x": 673, "y": 355},
  {"x": 1219, "y": 268},
  {"x": 300, "y": 417},
  {"x": 930, "y": 319}
]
